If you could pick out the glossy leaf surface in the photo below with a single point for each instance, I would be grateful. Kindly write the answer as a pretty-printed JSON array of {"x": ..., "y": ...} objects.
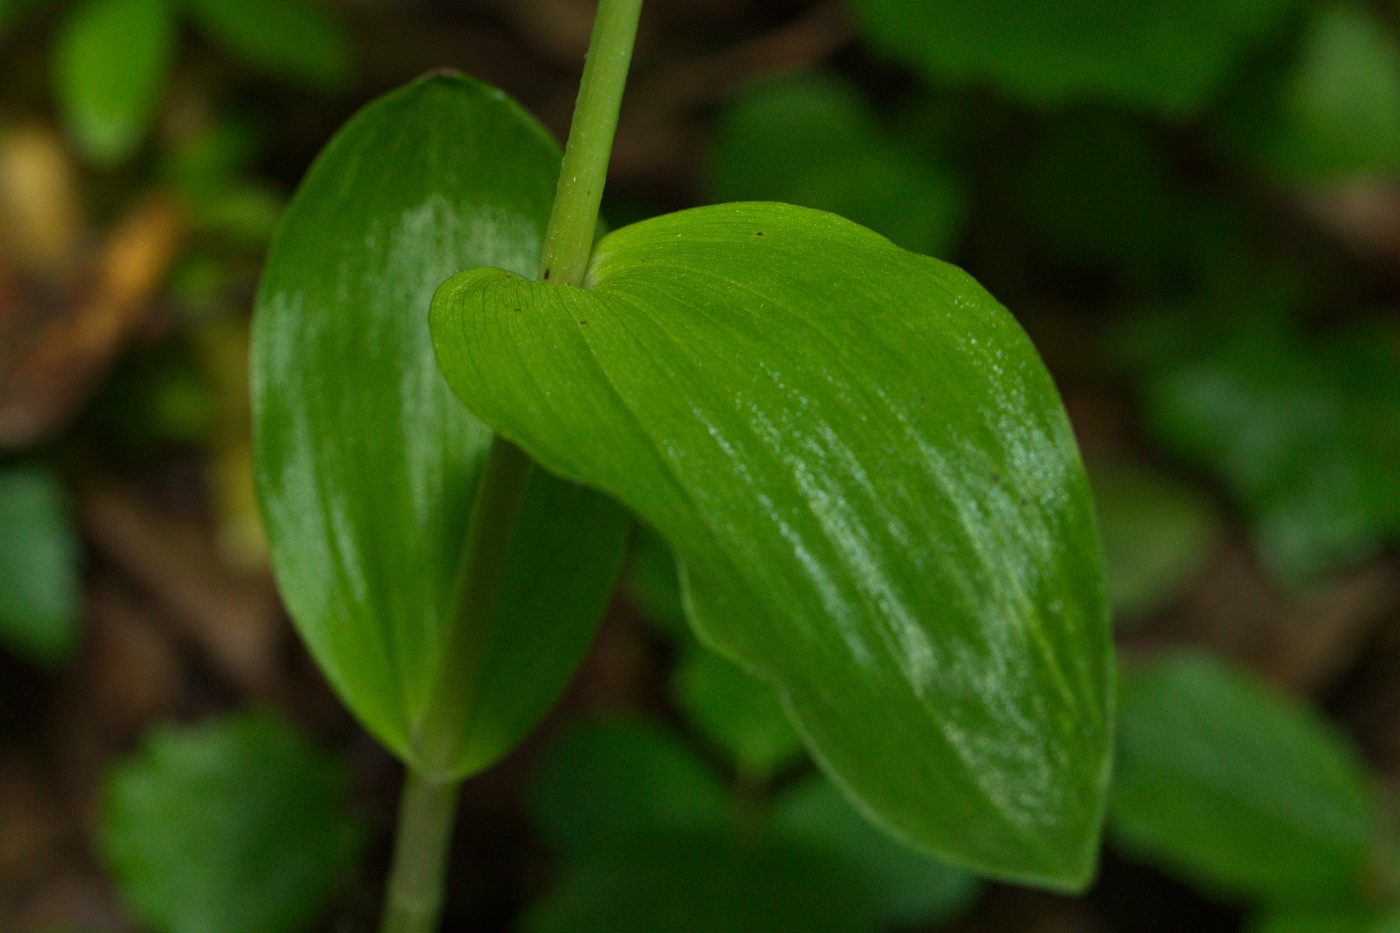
[
  {"x": 238, "y": 825},
  {"x": 871, "y": 487},
  {"x": 1237, "y": 787},
  {"x": 367, "y": 465},
  {"x": 110, "y": 68},
  {"x": 298, "y": 40},
  {"x": 1165, "y": 55}
]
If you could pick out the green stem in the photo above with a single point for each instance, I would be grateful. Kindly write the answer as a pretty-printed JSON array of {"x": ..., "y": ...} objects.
[
  {"x": 413, "y": 903},
  {"x": 414, "y": 900},
  {"x": 568, "y": 243},
  {"x": 500, "y": 495}
]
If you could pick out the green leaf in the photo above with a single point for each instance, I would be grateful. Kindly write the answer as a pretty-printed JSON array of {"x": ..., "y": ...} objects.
[
  {"x": 1237, "y": 787},
  {"x": 741, "y": 714},
  {"x": 652, "y": 586},
  {"x": 812, "y": 140},
  {"x": 1330, "y": 920},
  {"x": 912, "y": 890},
  {"x": 627, "y": 800},
  {"x": 298, "y": 40},
  {"x": 604, "y": 783},
  {"x": 1099, "y": 189},
  {"x": 237, "y": 825},
  {"x": 110, "y": 69},
  {"x": 38, "y": 566},
  {"x": 1168, "y": 56},
  {"x": 367, "y": 466},
  {"x": 1157, "y": 535},
  {"x": 1305, "y": 429},
  {"x": 707, "y": 882},
  {"x": 871, "y": 487},
  {"x": 1337, "y": 113}
]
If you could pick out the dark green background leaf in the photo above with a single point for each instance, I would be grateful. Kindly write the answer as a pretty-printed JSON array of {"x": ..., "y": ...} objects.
[
  {"x": 607, "y": 782},
  {"x": 298, "y": 40},
  {"x": 1327, "y": 920},
  {"x": 622, "y": 799},
  {"x": 910, "y": 888},
  {"x": 1238, "y": 787},
  {"x": 1165, "y": 55},
  {"x": 38, "y": 566},
  {"x": 1335, "y": 113},
  {"x": 110, "y": 69},
  {"x": 713, "y": 882},
  {"x": 237, "y": 825},
  {"x": 812, "y": 140},
  {"x": 1157, "y": 534},
  {"x": 367, "y": 465},
  {"x": 1305, "y": 429},
  {"x": 873, "y": 492},
  {"x": 736, "y": 711}
]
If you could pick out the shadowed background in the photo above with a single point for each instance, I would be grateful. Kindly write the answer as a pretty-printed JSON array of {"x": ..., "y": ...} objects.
[{"x": 1193, "y": 208}]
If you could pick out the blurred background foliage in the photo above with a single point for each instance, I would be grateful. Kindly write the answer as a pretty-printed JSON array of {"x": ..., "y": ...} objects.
[{"x": 1194, "y": 208}]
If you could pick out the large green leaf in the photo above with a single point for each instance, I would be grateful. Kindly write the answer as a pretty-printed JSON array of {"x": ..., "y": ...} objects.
[
  {"x": 871, "y": 486},
  {"x": 294, "y": 39},
  {"x": 1164, "y": 55},
  {"x": 367, "y": 465},
  {"x": 39, "y": 585},
  {"x": 238, "y": 825},
  {"x": 110, "y": 68},
  {"x": 1238, "y": 787}
]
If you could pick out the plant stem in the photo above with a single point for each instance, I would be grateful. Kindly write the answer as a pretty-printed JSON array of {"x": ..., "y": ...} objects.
[
  {"x": 416, "y": 881},
  {"x": 414, "y": 901},
  {"x": 568, "y": 242},
  {"x": 500, "y": 494}
]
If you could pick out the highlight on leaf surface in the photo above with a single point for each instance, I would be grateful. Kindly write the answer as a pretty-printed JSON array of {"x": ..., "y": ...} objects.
[
  {"x": 366, "y": 464},
  {"x": 871, "y": 487}
]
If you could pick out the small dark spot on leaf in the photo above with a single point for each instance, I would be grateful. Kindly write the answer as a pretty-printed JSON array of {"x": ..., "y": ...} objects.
[
  {"x": 923, "y": 398},
  {"x": 517, "y": 309},
  {"x": 996, "y": 477},
  {"x": 1025, "y": 501},
  {"x": 546, "y": 275},
  {"x": 583, "y": 322},
  {"x": 759, "y": 233}
]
